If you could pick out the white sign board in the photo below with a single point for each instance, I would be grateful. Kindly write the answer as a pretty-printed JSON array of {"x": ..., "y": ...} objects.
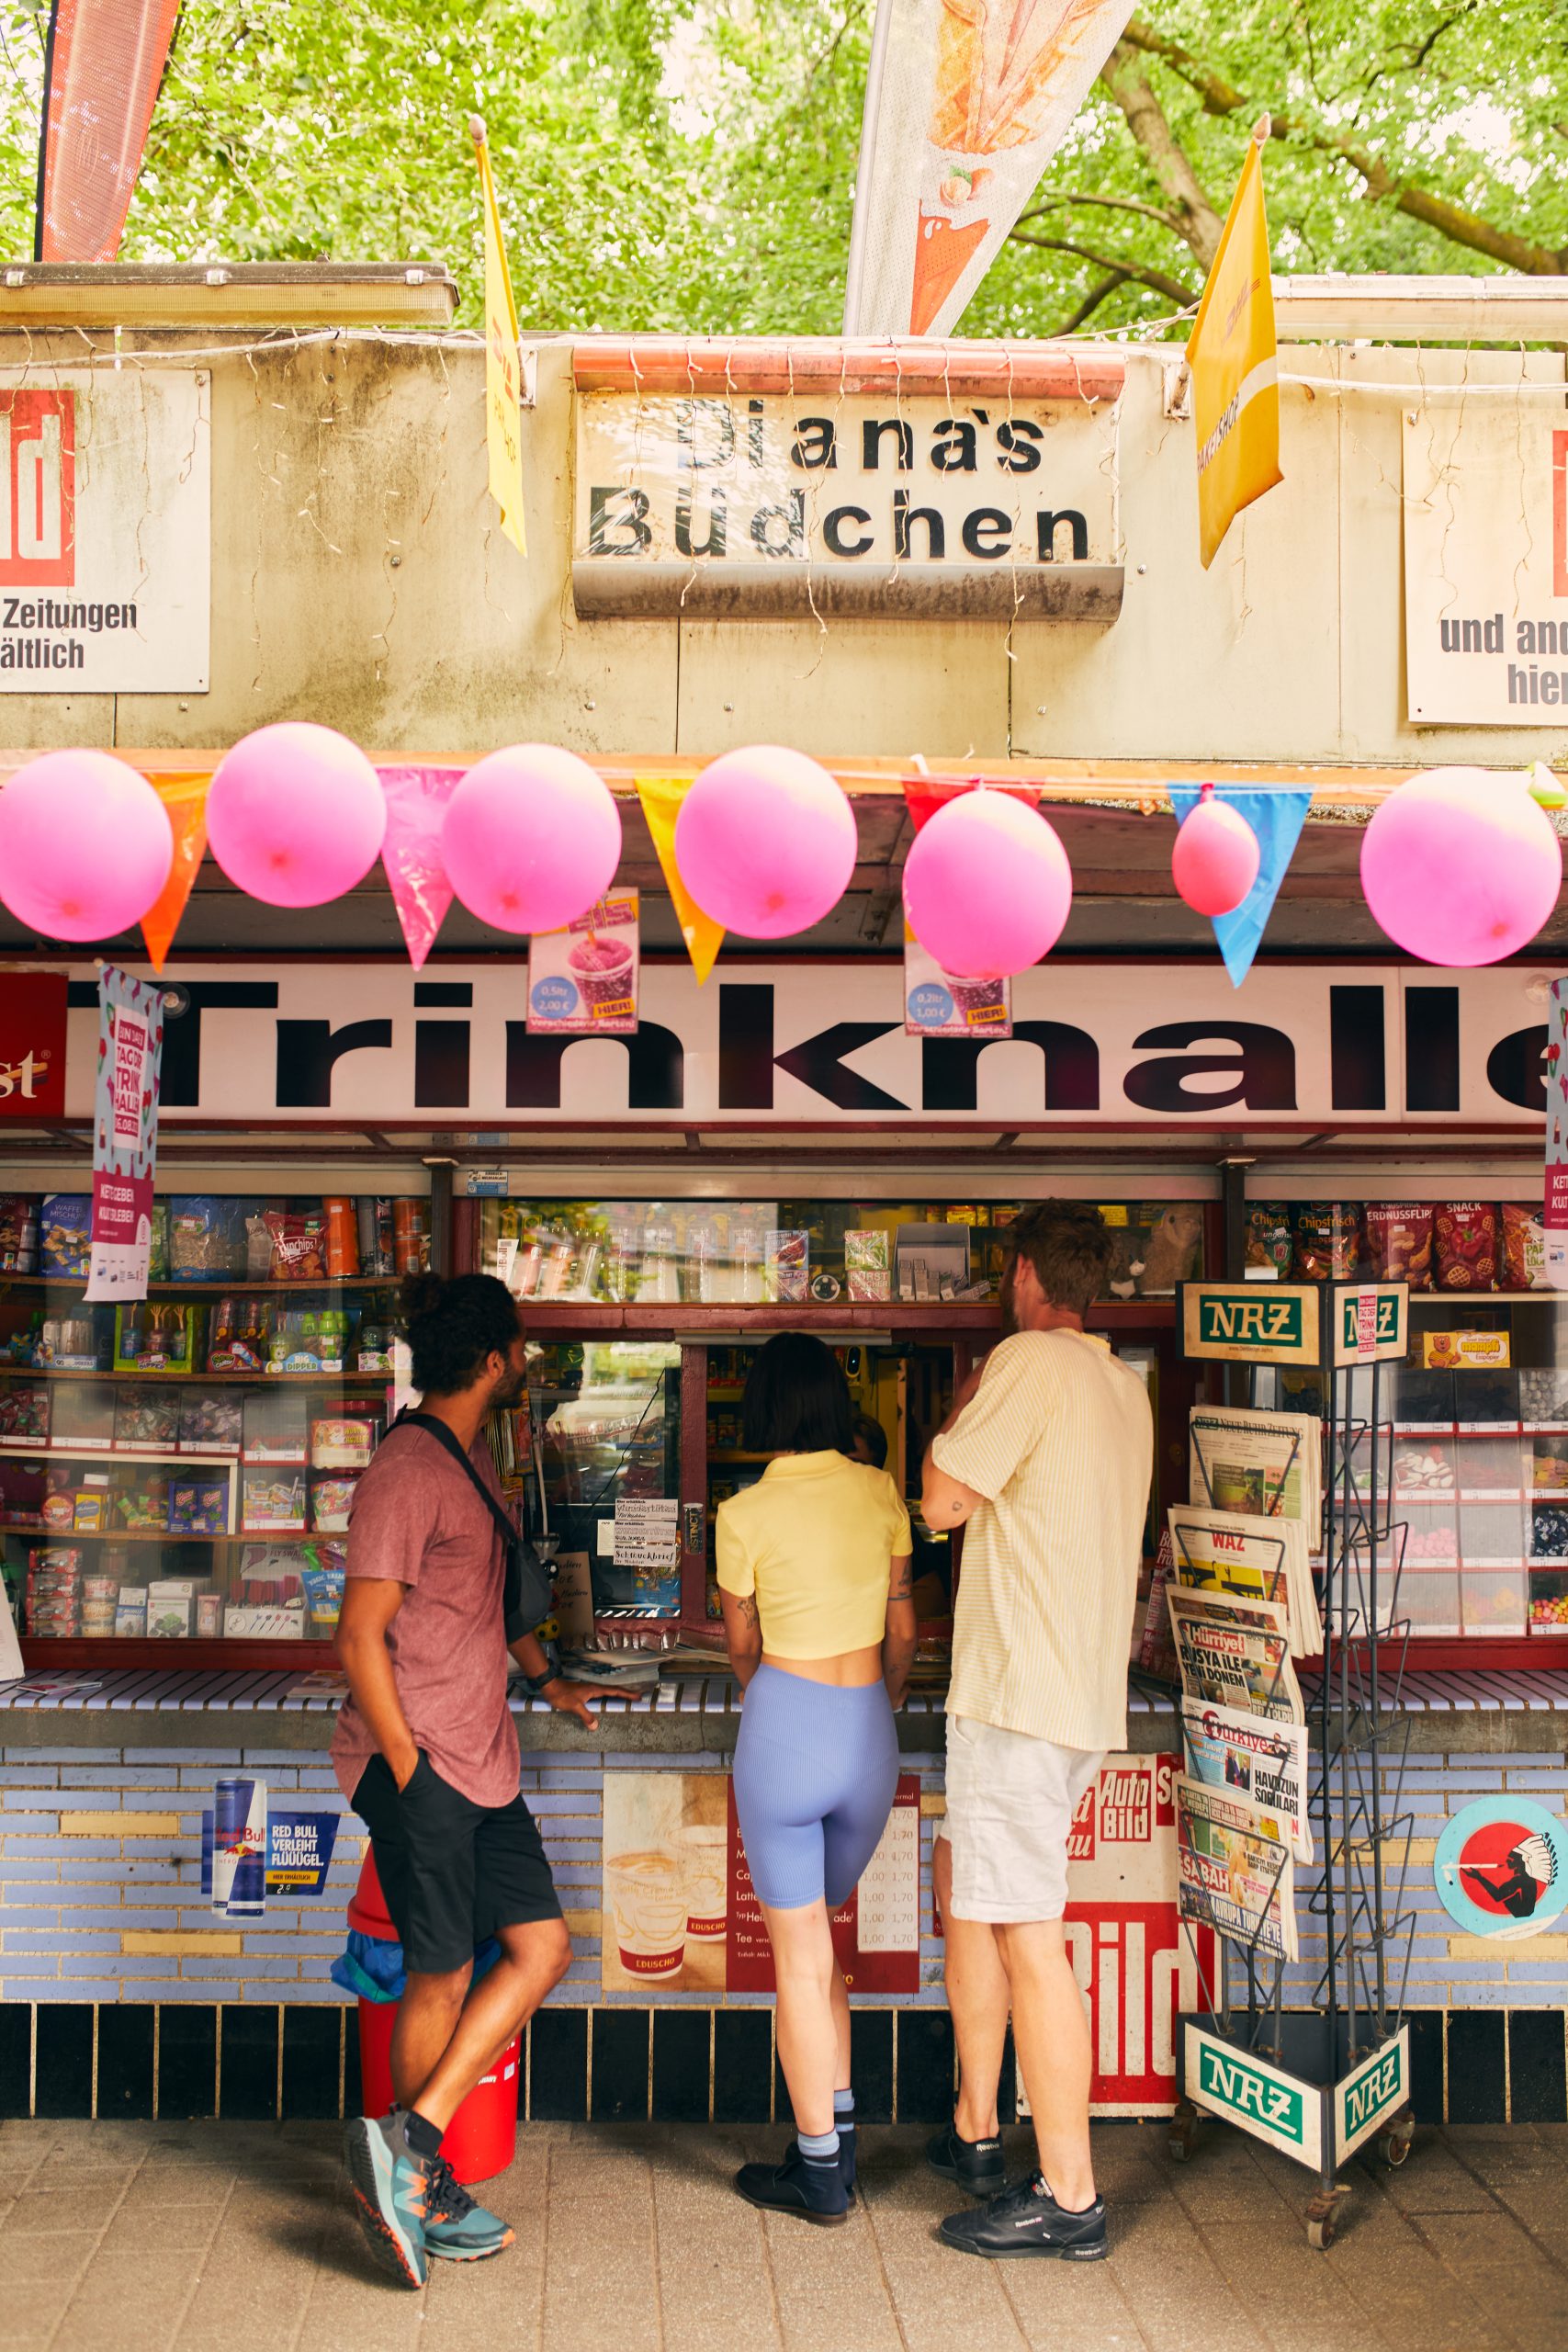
[
  {"x": 106, "y": 494},
  {"x": 1486, "y": 563},
  {"x": 823, "y": 1045}
]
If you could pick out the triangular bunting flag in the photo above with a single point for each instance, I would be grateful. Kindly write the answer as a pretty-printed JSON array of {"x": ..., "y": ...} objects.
[
  {"x": 661, "y": 796},
  {"x": 1277, "y": 818},
  {"x": 184, "y": 799},
  {"x": 923, "y": 796},
  {"x": 410, "y": 852}
]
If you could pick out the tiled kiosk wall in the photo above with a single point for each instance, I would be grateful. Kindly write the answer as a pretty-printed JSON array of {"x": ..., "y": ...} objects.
[{"x": 119, "y": 1995}]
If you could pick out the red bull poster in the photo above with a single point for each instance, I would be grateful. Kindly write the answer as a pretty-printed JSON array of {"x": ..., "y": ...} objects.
[
  {"x": 966, "y": 102},
  {"x": 125, "y": 1134}
]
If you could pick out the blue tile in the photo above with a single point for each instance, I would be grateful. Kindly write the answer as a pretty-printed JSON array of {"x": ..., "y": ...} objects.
[
  {"x": 32, "y": 1776},
  {"x": 127, "y": 1964},
  {"x": 64, "y": 1755},
  {"x": 27, "y": 1941},
  {"x": 14, "y": 1869},
  {"x": 82, "y": 1849},
  {"x": 152, "y": 1776},
  {"x": 238, "y": 1965}
]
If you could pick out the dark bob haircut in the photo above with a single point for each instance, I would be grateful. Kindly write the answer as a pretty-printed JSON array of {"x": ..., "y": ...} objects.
[
  {"x": 796, "y": 1398},
  {"x": 452, "y": 1326}
]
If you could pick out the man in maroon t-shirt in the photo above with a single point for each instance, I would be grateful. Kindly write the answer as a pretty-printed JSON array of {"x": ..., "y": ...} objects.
[{"x": 426, "y": 1751}]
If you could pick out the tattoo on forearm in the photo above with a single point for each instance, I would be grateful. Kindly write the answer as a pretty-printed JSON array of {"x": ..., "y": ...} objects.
[
  {"x": 901, "y": 1583},
  {"x": 746, "y": 1609}
]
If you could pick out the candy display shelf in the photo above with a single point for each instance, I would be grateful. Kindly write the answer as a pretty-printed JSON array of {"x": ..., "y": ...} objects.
[{"x": 220, "y": 1286}]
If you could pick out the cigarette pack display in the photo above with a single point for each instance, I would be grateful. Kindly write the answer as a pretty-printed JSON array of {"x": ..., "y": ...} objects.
[{"x": 273, "y": 1504}]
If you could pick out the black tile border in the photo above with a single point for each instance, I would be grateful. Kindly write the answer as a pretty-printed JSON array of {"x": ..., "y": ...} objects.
[{"x": 1482, "y": 2066}]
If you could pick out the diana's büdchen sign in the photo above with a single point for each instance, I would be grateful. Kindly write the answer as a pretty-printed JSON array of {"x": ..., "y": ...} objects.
[{"x": 105, "y": 532}]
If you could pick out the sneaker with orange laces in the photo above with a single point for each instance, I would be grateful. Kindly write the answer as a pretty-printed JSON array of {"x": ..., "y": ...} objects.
[
  {"x": 456, "y": 2228},
  {"x": 389, "y": 2196}
]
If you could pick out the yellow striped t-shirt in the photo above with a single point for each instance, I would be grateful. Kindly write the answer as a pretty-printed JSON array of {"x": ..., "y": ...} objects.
[{"x": 1059, "y": 1440}]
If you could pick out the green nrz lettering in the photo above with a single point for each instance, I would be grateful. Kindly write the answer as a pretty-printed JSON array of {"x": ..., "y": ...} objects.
[
  {"x": 1370, "y": 2092},
  {"x": 1236, "y": 2085},
  {"x": 1255, "y": 1322}
]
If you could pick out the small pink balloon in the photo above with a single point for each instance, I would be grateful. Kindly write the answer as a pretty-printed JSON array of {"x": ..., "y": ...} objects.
[
  {"x": 1214, "y": 861},
  {"x": 987, "y": 885},
  {"x": 766, "y": 841},
  {"x": 85, "y": 845},
  {"x": 532, "y": 838},
  {"x": 1460, "y": 867},
  {"x": 295, "y": 814}
]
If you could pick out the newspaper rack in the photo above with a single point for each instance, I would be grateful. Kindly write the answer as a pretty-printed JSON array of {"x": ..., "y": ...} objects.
[{"x": 1320, "y": 2083}]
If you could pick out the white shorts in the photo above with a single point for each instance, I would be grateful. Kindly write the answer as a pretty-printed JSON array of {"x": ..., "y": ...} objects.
[{"x": 1011, "y": 1802}]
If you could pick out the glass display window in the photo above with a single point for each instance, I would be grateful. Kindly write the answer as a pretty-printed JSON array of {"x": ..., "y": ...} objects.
[{"x": 182, "y": 1467}]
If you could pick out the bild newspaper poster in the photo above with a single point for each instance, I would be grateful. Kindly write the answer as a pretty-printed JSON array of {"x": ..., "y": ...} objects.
[
  {"x": 1134, "y": 1965},
  {"x": 680, "y": 1912}
]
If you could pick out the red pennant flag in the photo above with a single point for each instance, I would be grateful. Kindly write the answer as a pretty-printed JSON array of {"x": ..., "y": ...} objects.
[
  {"x": 184, "y": 799},
  {"x": 103, "y": 63},
  {"x": 923, "y": 796}
]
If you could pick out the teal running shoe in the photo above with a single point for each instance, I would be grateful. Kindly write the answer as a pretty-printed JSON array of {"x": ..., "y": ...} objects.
[
  {"x": 389, "y": 2198},
  {"x": 456, "y": 2228}
]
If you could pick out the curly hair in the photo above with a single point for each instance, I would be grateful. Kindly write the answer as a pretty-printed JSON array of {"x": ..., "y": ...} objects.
[
  {"x": 1069, "y": 1248},
  {"x": 452, "y": 1325}
]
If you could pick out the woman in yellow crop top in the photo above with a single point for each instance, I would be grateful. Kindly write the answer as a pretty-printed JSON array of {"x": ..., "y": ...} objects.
[{"x": 814, "y": 1576}]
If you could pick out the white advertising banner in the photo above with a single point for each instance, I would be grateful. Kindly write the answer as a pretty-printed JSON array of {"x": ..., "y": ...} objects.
[
  {"x": 106, "y": 493},
  {"x": 966, "y": 103},
  {"x": 824, "y": 1044},
  {"x": 1486, "y": 563}
]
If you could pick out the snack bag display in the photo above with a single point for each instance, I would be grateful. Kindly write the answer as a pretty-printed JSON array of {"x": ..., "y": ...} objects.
[
  {"x": 788, "y": 1264},
  {"x": 1524, "y": 1248},
  {"x": 323, "y": 1590},
  {"x": 868, "y": 1252},
  {"x": 342, "y": 1237},
  {"x": 299, "y": 1245},
  {"x": 18, "y": 1234},
  {"x": 206, "y": 1238},
  {"x": 1268, "y": 1239},
  {"x": 65, "y": 1232},
  {"x": 1465, "y": 1245},
  {"x": 1399, "y": 1242},
  {"x": 330, "y": 1502},
  {"x": 1328, "y": 1236}
]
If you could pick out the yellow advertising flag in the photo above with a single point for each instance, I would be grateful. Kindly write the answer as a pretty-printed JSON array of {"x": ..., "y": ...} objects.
[
  {"x": 1232, "y": 356},
  {"x": 504, "y": 372},
  {"x": 661, "y": 796}
]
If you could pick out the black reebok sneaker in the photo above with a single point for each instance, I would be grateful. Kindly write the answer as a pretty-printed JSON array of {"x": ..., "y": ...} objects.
[
  {"x": 976, "y": 2165},
  {"x": 813, "y": 2192},
  {"x": 1024, "y": 2222}
]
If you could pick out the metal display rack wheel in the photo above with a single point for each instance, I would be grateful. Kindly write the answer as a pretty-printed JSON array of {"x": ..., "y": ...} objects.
[{"x": 1321, "y": 2084}]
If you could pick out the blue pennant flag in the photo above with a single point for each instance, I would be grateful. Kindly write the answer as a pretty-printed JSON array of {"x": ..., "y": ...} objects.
[{"x": 1277, "y": 818}]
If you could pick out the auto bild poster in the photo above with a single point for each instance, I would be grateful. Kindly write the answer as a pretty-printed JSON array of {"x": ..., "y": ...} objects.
[
  {"x": 125, "y": 1134},
  {"x": 966, "y": 102},
  {"x": 1232, "y": 1875},
  {"x": 679, "y": 1909}
]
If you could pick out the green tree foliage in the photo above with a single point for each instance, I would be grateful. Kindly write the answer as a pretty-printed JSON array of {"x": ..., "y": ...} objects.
[{"x": 668, "y": 164}]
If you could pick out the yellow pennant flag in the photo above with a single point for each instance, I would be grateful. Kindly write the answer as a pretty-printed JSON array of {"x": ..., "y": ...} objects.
[
  {"x": 503, "y": 371},
  {"x": 661, "y": 796},
  {"x": 1231, "y": 355}
]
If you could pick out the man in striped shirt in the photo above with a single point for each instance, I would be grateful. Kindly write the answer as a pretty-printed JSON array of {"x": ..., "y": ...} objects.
[{"x": 1046, "y": 1460}]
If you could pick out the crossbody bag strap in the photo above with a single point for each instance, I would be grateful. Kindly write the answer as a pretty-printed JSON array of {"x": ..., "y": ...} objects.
[
  {"x": 447, "y": 1436},
  {"x": 526, "y": 1587}
]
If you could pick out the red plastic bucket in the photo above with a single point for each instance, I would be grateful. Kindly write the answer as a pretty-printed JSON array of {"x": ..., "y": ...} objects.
[{"x": 481, "y": 2138}]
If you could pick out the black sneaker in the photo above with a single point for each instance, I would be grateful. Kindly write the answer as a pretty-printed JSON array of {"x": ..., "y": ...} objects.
[
  {"x": 976, "y": 2165},
  {"x": 846, "y": 2155},
  {"x": 1020, "y": 2221},
  {"x": 814, "y": 2192}
]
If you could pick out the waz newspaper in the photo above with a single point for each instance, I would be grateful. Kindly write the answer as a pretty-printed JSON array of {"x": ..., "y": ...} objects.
[
  {"x": 1252, "y": 1558},
  {"x": 1235, "y": 1653},
  {"x": 1266, "y": 1763},
  {"x": 1231, "y": 1874}
]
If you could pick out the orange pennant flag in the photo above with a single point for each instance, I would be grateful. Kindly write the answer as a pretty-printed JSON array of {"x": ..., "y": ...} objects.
[
  {"x": 661, "y": 796},
  {"x": 185, "y": 797}
]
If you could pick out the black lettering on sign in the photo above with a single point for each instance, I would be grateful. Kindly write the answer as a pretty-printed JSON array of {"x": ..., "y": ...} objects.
[
  {"x": 871, "y": 434},
  {"x": 952, "y": 447},
  {"x": 1431, "y": 1049},
  {"x": 790, "y": 514},
  {"x": 714, "y": 543},
  {"x": 816, "y": 444},
  {"x": 622, "y": 512},
  {"x": 905, "y": 517},
  {"x": 833, "y": 524},
  {"x": 656, "y": 1067},
  {"x": 986, "y": 532},
  {"x": 1262, "y": 1069},
  {"x": 1357, "y": 1079},
  {"x": 1046, "y": 527},
  {"x": 1016, "y": 441},
  {"x": 309, "y": 1051},
  {"x": 1515, "y": 1068},
  {"x": 441, "y": 1065},
  {"x": 747, "y": 1060},
  {"x": 1070, "y": 1059},
  {"x": 180, "y": 1088}
]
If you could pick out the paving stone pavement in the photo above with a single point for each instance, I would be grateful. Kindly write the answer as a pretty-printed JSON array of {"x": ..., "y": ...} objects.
[{"x": 198, "y": 2237}]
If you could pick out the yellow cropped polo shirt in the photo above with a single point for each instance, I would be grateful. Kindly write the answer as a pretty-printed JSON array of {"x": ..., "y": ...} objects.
[{"x": 813, "y": 1540}]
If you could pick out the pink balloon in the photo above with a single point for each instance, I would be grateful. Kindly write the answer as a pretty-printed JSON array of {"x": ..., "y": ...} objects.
[
  {"x": 766, "y": 841},
  {"x": 85, "y": 845},
  {"x": 1214, "y": 861},
  {"x": 987, "y": 885},
  {"x": 532, "y": 838},
  {"x": 295, "y": 814},
  {"x": 1460, "y": 867}
]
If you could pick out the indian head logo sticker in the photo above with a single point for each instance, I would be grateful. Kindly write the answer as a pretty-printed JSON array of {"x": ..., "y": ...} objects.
[{"x": 1502, "y": 1867}]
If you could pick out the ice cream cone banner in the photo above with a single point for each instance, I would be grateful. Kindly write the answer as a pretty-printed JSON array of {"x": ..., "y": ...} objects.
[
  {"x": 966, "y": 102},
  {"x": 503, "y": 366},
  {"x": 184, "y": 799},
  {"x": 661, "y": 796},
  {"x": 1235, "y": 370}
]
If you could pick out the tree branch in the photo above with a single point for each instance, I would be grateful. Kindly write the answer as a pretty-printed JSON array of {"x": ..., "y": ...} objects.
[
  {"x": 1451, "y": 220},
  {"x": 1110, "y": 203},
  {"x": 1089, "y": 304},
  {"x": 1196, "y": 221},
  {"x": 1170, "y": 287}
]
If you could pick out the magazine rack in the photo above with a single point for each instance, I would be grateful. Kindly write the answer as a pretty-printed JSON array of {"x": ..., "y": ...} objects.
[{"x": 1320, "y": 2081}]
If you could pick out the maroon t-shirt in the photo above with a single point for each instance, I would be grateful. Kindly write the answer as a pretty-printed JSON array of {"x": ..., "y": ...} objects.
[{"x": 417, "y": 1521}]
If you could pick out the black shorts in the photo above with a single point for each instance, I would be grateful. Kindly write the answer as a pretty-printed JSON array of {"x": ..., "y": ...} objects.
[{"x": 453, "y": 1872}]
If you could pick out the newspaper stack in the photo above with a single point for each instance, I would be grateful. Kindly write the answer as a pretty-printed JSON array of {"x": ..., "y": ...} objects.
[
  {"x": 1263, "y": 1763},
  {"x": 1262, "y": 1466},
  {"x": 1231, "y": 1874},
  {"x": 1235, "y": 1653},
  {"x": 1252, "y": 1558}
]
